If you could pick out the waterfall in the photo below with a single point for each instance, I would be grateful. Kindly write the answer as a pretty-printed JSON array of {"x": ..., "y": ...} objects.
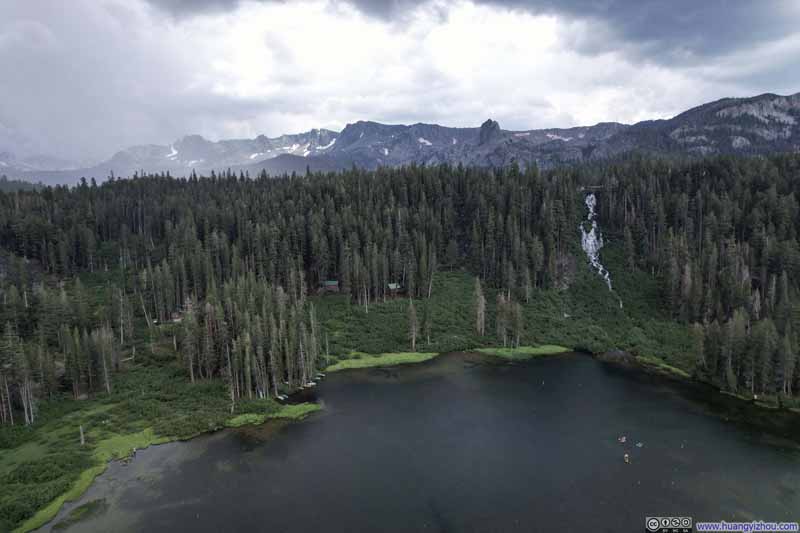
[{"x": 592, "y": 241}]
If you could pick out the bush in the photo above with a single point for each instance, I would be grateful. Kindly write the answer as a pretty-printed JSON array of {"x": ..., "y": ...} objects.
[
  {"x": 50, "y": 468},
  {"x": 18, "y": 502}
]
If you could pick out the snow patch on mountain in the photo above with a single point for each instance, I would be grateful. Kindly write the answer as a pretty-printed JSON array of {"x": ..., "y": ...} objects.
[
  {"x": 423, "y": 140},
  {"x": 327, "y": 145}
]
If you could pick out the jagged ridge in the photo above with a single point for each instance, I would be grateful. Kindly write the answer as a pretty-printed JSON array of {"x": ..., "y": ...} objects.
[{"x": 761, "y": 124}]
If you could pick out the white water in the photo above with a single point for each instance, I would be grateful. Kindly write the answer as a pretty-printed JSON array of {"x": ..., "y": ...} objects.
[{"x": 592, "y": 241}]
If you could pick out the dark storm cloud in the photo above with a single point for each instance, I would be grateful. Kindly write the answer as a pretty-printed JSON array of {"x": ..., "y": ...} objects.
[
  {"x": 676, "y": 30},
  {"x": 673, "y": 31}
]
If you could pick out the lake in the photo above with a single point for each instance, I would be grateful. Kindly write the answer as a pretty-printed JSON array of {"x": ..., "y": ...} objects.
[{"x": 467, "y": 443}]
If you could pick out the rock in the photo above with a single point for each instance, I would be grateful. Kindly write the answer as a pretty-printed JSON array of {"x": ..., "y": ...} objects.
[{"x": 489, "y": 131}]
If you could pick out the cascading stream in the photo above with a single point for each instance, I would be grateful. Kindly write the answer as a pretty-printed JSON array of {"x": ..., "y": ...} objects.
[{"x": 592, "y": 241}]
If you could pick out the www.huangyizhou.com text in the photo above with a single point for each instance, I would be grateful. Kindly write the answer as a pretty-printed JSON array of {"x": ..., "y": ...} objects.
[{"x": 747, "y": 527}]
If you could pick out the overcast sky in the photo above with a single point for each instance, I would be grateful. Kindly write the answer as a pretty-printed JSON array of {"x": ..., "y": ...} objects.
[{"x": 85, "y": 78}]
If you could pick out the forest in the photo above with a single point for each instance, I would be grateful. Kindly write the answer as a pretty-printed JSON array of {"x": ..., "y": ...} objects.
[{"x": 239, "y": 289}]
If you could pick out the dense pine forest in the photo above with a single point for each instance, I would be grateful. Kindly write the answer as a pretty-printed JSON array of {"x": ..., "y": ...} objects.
[
  {"x": 234, "y": 260},
  {"x": 721, "y": 235},
  {"x": 228, "y": 290},
  {"x": 7, "y": 185}
]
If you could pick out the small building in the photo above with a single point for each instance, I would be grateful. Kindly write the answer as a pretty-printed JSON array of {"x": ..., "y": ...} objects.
[
  {"x": 393, "y": 289},
  {"x": 330, "y": 285}
]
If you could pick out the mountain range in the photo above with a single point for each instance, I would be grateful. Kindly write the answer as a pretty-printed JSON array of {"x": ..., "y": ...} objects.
[{"x": 756, "y": 125}]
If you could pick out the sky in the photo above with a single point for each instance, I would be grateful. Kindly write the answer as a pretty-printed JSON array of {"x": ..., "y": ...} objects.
[{"x": 85, "y": 78}]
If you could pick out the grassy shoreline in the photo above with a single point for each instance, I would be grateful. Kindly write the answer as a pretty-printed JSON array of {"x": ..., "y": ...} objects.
[
  {"x": 524, "y": 353},
  {"x": 122, "y": 446},
  {"x": 118, "y": 447},
  {"x": 358, "y": 360},
  {"x": 363, "y": 360},
  {"x": 658, "y": 366},
  {"x": 287, "y": 412}
]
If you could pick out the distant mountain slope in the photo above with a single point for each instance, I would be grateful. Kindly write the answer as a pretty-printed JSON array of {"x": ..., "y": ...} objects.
[{"x": 761, "y": 124}]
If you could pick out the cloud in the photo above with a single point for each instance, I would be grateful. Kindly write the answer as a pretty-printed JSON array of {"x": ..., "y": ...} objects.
[
  {"x": 675, "y": 31},
  {"x": 189, "y": 8},
  {"x": 107, "y": 74},
  {"x": 100, "y": 76},
  {"x": 679, "y": 30}
]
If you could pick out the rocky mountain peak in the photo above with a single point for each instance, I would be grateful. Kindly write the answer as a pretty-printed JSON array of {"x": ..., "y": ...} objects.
[{"x": 489, "y": 131}]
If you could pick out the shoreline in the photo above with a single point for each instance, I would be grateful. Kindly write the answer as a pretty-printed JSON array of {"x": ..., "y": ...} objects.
[
  {"x": 364, "y": 360},
  {"x": 655, "y": 366},
  {"x": 122, "y": 446},
  {"x": 649, "y": 364}
]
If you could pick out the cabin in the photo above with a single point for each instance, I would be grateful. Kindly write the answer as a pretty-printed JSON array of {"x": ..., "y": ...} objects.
[
  {"x": 329, "y": 286},
  {"x": 393, "y": 289}
]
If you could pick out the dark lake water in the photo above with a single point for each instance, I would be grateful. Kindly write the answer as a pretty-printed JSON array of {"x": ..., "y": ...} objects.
[{"x": 463, "y": 443}]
